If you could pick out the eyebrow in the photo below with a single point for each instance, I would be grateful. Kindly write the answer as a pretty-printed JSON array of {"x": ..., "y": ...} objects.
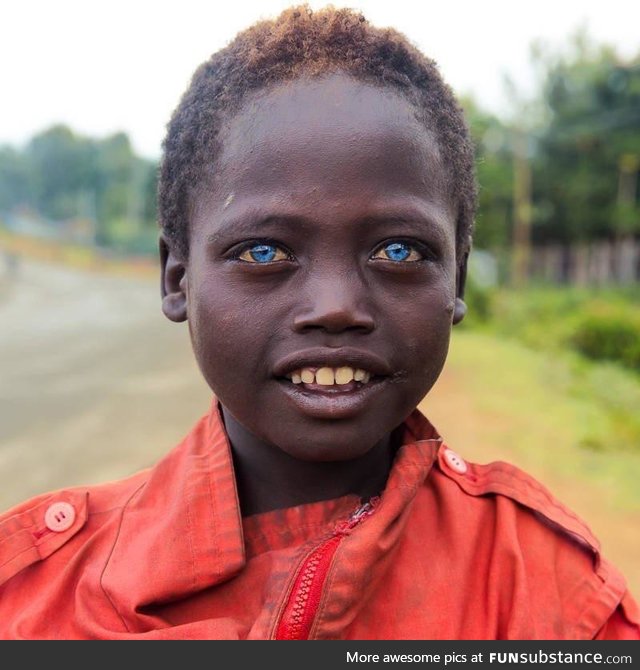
[
  {"x": 250, "y": 223},
  {"x": 254, "y": 219}
]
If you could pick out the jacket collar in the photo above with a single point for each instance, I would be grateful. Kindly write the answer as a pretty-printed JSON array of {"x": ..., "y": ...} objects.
[{"x": 181, "y": 531}]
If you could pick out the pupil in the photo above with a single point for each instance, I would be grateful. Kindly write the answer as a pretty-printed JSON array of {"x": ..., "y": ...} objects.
[
  {"x": 262, "y": 253},
  {"x": 397, "y": 251}
]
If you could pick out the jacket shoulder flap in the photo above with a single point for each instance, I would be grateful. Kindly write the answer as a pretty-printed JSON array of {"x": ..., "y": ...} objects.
[
  {"x": 37, "y": 528},
  {"x": 501, "y": 478}
]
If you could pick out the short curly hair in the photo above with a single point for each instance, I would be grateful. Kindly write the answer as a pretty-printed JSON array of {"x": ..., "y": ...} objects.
[{"x": 302, "y": 42}]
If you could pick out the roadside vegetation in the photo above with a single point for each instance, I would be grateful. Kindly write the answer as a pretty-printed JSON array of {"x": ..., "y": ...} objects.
[{"x": 586, "y": 348}]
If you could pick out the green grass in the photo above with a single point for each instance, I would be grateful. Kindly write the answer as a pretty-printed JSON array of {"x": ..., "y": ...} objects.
[
  {"x": 601, "y": 323},
  {"x": 555, "y": 412}
]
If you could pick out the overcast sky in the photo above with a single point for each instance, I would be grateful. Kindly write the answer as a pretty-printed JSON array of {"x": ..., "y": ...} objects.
[{"x": 104, "y": 66}]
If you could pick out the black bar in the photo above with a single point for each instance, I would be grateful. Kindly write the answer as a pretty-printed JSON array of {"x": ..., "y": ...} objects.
[{"x": 332, "y": 655}]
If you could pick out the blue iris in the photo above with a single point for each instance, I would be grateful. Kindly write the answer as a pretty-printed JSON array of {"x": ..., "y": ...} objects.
[
  {"x": 397, "y": 251},
  {"x": 263, "y": 253}
]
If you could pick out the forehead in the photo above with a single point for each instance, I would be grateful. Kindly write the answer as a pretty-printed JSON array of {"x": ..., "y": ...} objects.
[
  {"x": 330, "y": 147},
  {"x": 313, "y": 104},
  {"x": 322, "y": 110}
]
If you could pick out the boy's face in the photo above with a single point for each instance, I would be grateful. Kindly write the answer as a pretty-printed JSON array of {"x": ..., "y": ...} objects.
[{"x": 324, "y": 251}]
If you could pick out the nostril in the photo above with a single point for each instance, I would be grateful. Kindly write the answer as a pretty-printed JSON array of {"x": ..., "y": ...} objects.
[
  {"x": 334, "y": 322},
  {"x": 334, "y": 303}
]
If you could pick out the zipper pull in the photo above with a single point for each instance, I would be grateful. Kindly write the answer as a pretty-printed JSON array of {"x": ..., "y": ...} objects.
[{"x": 365, "y": 510}]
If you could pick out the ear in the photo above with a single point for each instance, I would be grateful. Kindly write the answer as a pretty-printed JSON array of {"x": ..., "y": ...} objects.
[
  {"x": 460, "y": 308},
  {"x": 173, "y": 283}
]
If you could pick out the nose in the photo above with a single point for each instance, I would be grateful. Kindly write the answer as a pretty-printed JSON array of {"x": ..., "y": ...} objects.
[{"x": 335, "y": 304}]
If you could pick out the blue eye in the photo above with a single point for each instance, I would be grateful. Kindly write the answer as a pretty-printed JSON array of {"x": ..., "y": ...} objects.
[
  {"x": 398, "y": 251},
  {"x": 263, "y": 253}
]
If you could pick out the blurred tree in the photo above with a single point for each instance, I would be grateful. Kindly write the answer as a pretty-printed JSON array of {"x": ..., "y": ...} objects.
[
  {"x": 115, "y": 171},
  {"x": 586, "y": 168},
  {"x": 64, "y": 176},
  {"x": 15, "y": 188},
  {"x": 495, "y": 176},
  {"x": 149, "y": 193},
  {"x": 62, "y": 166}
]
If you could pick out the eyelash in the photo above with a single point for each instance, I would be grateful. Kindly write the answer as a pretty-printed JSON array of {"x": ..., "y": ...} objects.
[{"x": 413, "y": 246}]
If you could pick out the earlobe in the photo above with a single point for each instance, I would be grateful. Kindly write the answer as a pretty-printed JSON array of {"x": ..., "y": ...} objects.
[
  {"x": 459, "y": 310},
  {"x": 460, "y": 307},
  {"x": 173, "y": 286}
]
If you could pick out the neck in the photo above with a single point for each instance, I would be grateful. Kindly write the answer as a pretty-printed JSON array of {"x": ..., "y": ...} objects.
[{"x": 267, "y": 478}]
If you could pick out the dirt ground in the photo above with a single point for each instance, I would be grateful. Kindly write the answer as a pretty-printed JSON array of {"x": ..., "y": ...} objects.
[{"x": 95, "y": 384}]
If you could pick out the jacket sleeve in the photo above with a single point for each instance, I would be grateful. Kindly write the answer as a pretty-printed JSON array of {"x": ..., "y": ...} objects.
[{"x": 624, "y": 623}]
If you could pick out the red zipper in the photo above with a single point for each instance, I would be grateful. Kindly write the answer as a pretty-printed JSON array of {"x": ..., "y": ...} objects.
[{"x": 304, "y": 599}]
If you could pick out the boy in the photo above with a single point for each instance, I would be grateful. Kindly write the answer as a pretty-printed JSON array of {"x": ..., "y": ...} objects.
[{"x": 316, "y": 201}]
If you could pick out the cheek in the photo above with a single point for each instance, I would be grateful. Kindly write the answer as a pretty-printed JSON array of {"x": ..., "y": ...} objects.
[
  {"x": 219, "y": 329},
  {"x": 423, "y": 325},
  {"x": 231, "y": 331},
  {"x": 427, "y": 307}
]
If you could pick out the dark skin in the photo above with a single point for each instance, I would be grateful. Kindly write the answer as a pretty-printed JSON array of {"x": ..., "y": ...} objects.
[{"x": 324, "y": 246}]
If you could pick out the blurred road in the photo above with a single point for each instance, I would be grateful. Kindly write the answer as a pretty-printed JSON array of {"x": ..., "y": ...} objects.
[{"x": 95, "y": 382}]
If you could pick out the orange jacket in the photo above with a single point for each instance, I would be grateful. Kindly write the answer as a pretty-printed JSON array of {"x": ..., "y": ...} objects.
[{"x": 451, "y": 550}]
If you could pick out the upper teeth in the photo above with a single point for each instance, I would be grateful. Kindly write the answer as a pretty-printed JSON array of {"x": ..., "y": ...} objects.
[{"x": 329, "y": 376}]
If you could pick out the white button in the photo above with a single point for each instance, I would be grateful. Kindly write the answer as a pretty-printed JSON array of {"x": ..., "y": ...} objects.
[
  {"x": 454, "y": 461},
  {"x": 59, "y": 516}
]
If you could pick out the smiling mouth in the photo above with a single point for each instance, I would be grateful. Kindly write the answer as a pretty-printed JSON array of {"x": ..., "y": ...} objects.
[
  {"x": 331, "y": 393},
  {"x": 333, "y": 384}
]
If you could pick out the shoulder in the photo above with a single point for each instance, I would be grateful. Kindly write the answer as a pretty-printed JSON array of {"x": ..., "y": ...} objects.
[
  {"x": 55, "y": 527},
  {"x": 61, "y": 520},
  {"x": 536, "y": 545},
  {"x": 515, "y": 549},
  {"x": 79, "y": 526},
  {"x": 497, "y": 488},
  {"x": 507, "y": 483}
]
